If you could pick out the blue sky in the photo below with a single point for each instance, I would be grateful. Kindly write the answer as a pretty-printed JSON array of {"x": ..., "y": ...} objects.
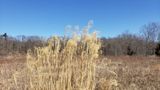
[{"x": 49, "y": 17}]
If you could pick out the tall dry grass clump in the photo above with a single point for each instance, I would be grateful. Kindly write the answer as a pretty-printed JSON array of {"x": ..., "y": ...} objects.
[{"x": 64, "y": 64}]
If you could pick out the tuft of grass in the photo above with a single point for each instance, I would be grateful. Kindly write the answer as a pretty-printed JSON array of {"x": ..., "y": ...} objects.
[{"x": 64, "y": 64}]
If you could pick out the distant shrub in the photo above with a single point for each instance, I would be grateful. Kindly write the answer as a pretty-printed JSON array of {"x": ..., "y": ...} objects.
[{"x": 157, "y": 50}]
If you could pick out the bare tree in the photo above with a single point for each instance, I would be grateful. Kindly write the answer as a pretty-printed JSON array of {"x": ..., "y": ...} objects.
[
  {"x": 150, "y": 31},
  {"x": 150, "y": 34}
]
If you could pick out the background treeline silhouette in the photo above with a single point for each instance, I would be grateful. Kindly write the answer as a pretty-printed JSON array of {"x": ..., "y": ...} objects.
[
  {"x": 146, "y": 42},
  {"x": 19, "y": 44}
]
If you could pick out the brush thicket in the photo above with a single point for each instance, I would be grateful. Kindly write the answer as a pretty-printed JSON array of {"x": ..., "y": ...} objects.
[{"x": 64, "y": 64}]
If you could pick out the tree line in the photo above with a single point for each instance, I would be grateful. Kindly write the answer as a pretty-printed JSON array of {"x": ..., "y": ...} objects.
[
  {"x": 20, "y": 44},
  {"x": 147, "y": 42}
]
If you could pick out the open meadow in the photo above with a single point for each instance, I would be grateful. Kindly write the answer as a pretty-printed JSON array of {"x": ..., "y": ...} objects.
[{"x": 114, "y": 73}]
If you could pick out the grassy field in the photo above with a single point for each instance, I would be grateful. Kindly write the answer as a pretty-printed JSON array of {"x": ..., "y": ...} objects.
[
  {"x": 76, "y": 64},
  {"x": 114, "y": 73},
  {"x": 133, "y": 73}
]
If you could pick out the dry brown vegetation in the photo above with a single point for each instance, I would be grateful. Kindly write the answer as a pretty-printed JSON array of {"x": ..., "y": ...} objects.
[
  {"x": 64, "y": 64},
  {"x": 134, "y": 73},
  {"x": 130, "y": 73}
]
